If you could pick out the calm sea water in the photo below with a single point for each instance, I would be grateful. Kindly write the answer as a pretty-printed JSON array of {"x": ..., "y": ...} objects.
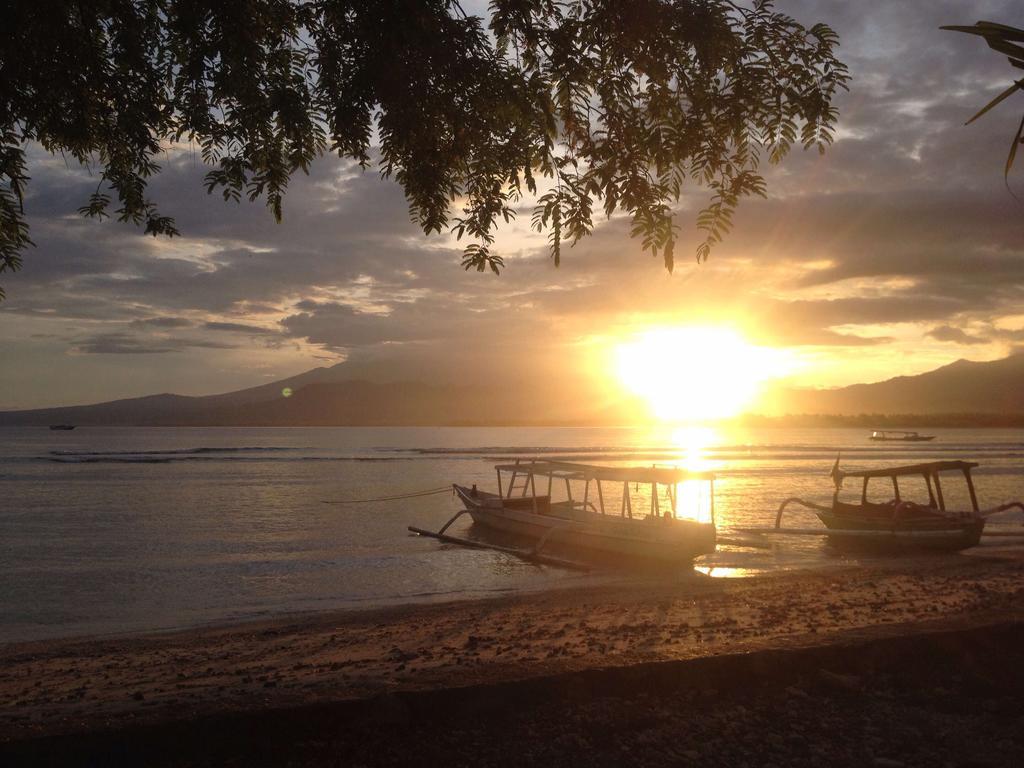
[{"x": 118, "y": 529}]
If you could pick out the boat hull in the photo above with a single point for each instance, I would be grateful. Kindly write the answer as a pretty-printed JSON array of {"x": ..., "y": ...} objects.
[
  {"x": 927, "y": 532},
  {"x": 662, "y": 540},
  {"x": 918, "y": 439}
]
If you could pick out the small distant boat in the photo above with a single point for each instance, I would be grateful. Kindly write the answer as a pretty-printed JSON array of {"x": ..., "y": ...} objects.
[
  {"x": 62, "y": 426},
  {"x": 900, "y": 521},
  {"x": 664, "y": 531},
  {"x": 897, "y": 435}
]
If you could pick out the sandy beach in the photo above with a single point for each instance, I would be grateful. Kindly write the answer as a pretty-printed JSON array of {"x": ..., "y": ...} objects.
[{"x": 101, "y": 687}]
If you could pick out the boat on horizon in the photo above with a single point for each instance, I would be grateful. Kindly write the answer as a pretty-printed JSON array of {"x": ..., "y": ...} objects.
[
  {"x": 664, "y": 514},
  {"x": 63, "y": 427},
  {"x": 900, "y": 521},
  {"x": 899, "y": 435}
]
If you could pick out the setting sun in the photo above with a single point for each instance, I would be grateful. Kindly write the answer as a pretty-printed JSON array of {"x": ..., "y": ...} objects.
[{"x": 695, "y": 372}]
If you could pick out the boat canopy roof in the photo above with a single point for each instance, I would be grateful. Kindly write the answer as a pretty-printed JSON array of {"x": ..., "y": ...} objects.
[
  {"x": 929, "y": 468},
  {"x": 574, "y": 471}
]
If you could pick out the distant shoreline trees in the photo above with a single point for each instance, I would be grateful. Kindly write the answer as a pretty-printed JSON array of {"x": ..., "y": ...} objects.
[{"x": 605, "y": 103}]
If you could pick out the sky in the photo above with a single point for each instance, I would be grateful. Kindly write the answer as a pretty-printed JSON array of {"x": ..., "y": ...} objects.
[{"x": 898, "y": 251}]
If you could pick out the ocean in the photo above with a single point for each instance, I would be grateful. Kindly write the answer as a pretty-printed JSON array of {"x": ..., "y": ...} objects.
[{"x": 112, "y": 530}]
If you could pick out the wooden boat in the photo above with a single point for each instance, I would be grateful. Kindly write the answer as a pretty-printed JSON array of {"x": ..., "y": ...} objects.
[
  {"x": 62, "y": 426},
  {"x": 664, "y": 514},
  {"x": 901, "y": 521},
  {"x": 899, "y": 436}
]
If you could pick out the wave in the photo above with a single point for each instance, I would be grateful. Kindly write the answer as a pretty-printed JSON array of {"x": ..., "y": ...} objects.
[
  {"x": 738, "y": 469},
  {"x": 726, "y": 458},
  {"x": 826, "y": 455},
  {"x": 754, "y": 450},
  {"x": 180, "y": 451},
  {"x": 155, "y": 458}
]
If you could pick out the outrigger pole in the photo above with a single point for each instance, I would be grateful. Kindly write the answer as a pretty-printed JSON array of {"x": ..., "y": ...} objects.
[
  {"x": 530, "y": 555},
  {"x": 839, "y": 533}
]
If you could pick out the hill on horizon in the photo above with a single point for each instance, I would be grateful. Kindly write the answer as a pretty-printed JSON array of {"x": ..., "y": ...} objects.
[
  {"x": 323, "y": 397},
  {"x": 962, "y": 387}
]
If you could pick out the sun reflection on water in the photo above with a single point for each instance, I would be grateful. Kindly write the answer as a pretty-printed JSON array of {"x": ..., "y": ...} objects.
[
  {"x": 726, "y": 572},
  {"x": 692, "y": 443},
  {"x": 689, "y": 445}
]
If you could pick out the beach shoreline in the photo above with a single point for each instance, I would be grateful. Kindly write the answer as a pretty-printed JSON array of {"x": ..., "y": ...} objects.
[
  {"x": 101, "y": 685},
  {"x": 927, "y": 696}
]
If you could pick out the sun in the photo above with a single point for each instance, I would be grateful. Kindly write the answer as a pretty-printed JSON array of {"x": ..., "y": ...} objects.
[{"x": 693, "y": 373}]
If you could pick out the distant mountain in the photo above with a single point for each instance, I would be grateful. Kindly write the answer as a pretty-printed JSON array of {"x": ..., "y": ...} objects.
[
  {"x": 167, "y": 409},
  {"x": 317, "y": 398},
  {"x": 963, "y": 387},
  {"x": 324, "y": 397}
]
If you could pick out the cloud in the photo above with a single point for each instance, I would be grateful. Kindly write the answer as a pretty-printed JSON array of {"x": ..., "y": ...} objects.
[
  {"x": 955, "y": 335},
  {"x": 902, "y": 233},
  {"x": 164, "y": 322},
  {"x": 117, "y": 343},
  {"x": 251, "y": 330}
]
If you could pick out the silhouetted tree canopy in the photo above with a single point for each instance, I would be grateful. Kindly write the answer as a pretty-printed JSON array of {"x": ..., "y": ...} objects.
[
  {"x": 1010, "y": 42},
  {"x": 583, "y": 102}
]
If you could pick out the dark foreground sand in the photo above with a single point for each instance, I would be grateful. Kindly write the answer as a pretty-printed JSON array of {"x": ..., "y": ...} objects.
[{"x": 910, "y": 663}]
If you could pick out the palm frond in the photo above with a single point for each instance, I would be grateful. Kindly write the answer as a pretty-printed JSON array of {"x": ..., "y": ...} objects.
[{"x": 1002, "y": 39}]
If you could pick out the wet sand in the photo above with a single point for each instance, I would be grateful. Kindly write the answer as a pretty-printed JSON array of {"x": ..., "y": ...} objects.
[{"x": 256, "y": 671}]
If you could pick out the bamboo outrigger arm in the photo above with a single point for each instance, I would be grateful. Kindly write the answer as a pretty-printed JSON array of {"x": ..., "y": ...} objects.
[
  {"x": 529, "y": 555},
  {"x": 455, "y": 517},
  {"x": 532, "y": 555},
  {"x": 536, "y": 549},
  {"x": 796, "y": 500},
  {"x": 1002, "y": 508}
]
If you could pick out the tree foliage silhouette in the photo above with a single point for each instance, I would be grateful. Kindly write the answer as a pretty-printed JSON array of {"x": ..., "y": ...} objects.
[
  {"x": 578, "y": 102},
  {"x": 1008, "y": 41}
]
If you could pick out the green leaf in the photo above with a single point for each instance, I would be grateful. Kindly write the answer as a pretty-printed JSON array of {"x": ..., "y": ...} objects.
[{"x": 618, "y": 104}]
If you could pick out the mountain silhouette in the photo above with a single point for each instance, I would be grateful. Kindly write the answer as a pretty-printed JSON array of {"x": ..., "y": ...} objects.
[
  {"x": 324, "y": 397},
  {"x": 964, "y": 387},
  {"x": 319, "y": 398}
]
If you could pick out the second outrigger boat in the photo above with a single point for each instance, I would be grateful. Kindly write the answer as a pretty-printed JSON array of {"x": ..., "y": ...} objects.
[
  {"x": 671, "y": 520},
  {"x": 899, "y": 520},
  {"x": 899, "y": 436}
]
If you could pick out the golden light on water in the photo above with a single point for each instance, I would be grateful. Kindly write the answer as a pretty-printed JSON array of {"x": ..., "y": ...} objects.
[
  {"x": 693, "y": 373},
  {"x": 693, "y": 441},
  {"x": 694, "y": 495}
]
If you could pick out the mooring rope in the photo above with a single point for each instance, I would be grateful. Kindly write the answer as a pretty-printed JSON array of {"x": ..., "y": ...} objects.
[{"x": 410, "y": 495}]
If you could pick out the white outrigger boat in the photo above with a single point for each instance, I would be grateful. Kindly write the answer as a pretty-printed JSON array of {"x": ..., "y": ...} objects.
[
  {"x": 898, "y": 521},
  {"x": 899, "y": 436},
  {"x": 654, "y": 527}
]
